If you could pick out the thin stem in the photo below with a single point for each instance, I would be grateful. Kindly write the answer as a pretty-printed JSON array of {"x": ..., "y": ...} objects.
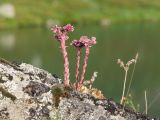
[
  {"x": 78, "y": 66},
  {"x": 124, "y": 86},
  {"x": 134, "y": 67},
  {"x": 84, "y": 66},
  {"x": 66, "y": 63},
  {"x": 145, "y": 95}
]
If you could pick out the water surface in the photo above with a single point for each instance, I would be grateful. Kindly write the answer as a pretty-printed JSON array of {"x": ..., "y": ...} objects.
[{"x": 36, "y": 46}]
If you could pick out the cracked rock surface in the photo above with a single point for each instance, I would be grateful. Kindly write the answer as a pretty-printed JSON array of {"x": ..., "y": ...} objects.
[{"x": 30, "y": 93}]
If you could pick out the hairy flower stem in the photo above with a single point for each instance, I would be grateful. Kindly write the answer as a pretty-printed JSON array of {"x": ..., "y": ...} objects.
[
  {"x": 84, "y": 66},
  {"x": 124, "y": 87},
  {"x": 61, "y": 34},
  {"x": 66, "y": 63},
  {"x": 78, "y": 66}
]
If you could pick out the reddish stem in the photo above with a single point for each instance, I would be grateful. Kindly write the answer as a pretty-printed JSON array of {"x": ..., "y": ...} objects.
[
  {"x": 84, "y": 66},
  {"x": 66, "y": 63},
  {"x": 78, "y": 66}
]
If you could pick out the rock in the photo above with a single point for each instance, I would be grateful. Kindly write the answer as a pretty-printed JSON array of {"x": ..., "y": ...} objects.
[
  {"x": 7, "y": 10},
  {"x": 30, "y": 93}
]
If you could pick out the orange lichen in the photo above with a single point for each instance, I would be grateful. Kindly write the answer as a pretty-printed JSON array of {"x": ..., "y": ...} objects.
[{"x": 93, "y": 91}]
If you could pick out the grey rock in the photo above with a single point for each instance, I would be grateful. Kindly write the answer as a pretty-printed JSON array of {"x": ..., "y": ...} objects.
[{"x": 30, "y": 93}]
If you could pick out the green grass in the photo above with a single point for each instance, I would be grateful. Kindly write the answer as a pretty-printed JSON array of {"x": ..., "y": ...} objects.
[{"x": 35, "y": 13}]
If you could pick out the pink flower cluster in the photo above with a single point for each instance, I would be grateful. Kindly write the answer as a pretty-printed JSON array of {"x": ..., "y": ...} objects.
[
  {"x": 61, "y": 36},
  {"x": 84, "y": 41},
  {"x": 61, "y": 32}
]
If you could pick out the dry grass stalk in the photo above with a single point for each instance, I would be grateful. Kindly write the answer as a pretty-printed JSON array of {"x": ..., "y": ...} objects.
[
  {"x": 129, "y": 86},
  {"x": 90, "y": 82},
  {"x": 146, "y": 104},
  {"x": 94, "y": 76},
  {"x": 126, "y": 68}
]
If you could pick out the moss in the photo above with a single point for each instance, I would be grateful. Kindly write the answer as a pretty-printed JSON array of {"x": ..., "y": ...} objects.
[
  {"x": 58, "y": 92},
  {"x": 7, "y": 94}
]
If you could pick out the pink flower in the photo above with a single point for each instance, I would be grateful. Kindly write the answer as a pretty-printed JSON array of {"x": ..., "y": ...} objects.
[
  {"x": 56, "y": 29},
  {"x": 77, "y": 44},
  {"x": 68, "y": 28},
  {"x": 61, "y": 32},
  {"x": 84, "y": 41},
  {"x": 87, "y": 42}
]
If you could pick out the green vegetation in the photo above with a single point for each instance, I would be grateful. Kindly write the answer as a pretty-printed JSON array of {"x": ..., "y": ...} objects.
[
  {"x": 58, "y": 92},
  {"x": 32, "y": 13},
  {"x": 131, "y": 104}
]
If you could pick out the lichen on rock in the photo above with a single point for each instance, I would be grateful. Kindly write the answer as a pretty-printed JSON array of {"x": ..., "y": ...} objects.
[
  {"x": 23, "y": 88},
  {"x": 35, "y": 94}
]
